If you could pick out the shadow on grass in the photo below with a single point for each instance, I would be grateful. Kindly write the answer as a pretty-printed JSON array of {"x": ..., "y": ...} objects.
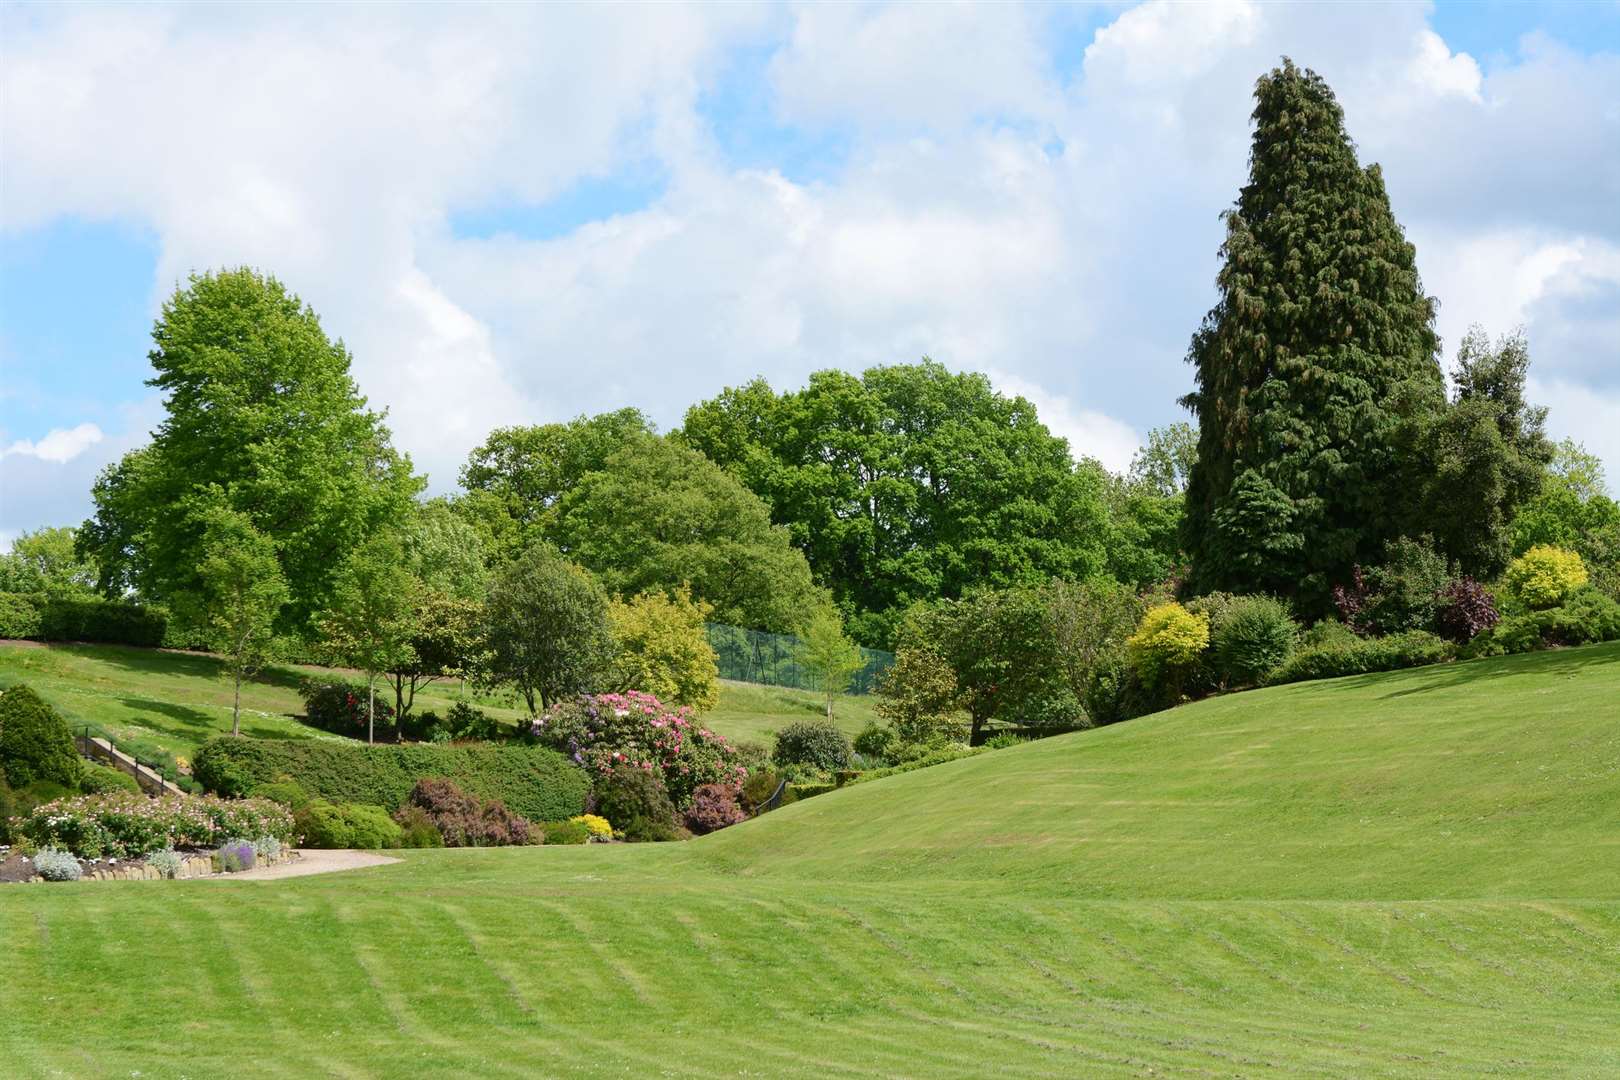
[
  {"x": 1553, "y": 662},
  {"x": 165, "y": 662}
]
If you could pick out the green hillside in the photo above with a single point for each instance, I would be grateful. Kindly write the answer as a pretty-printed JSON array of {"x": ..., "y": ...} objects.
[{"x": 1414, "y": 874}]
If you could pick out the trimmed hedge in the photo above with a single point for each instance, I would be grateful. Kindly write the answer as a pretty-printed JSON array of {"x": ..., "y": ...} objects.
[
  {"x": 107, "y": 622},
  {"x": 538, "y": 783},
  {"x": 1414, "y": 648}
]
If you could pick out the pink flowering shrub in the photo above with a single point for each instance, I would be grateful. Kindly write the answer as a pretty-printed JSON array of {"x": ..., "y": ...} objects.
[
  {"x": 604, "y": 730},
  {"x": 121, "y": 825},
  {"x": 714, "y": 807}
]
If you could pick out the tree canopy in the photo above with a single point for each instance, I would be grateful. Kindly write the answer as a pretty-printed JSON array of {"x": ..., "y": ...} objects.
[
  {"x": 907, "y": 483},
  {"x": 264, "y": 419},
  {"x": 46, "y": 561},
  {"x": 1319, "y": 351}
]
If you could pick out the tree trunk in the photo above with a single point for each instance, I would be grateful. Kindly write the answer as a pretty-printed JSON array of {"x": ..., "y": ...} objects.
[
  {"x": 976, "y": 733},
  {"x": 371, "y": 707},
  {"x": 236, "y": 707}
]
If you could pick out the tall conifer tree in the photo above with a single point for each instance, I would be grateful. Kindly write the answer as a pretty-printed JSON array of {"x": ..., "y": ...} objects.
[{"x": 1318, "y": 355}]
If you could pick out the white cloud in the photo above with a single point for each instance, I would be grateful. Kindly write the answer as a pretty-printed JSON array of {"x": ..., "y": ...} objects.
[
  {"x": 59, "y": 446},
  {"x": 1090, "y": 433},
  {"x": 1436, "y": 68}
]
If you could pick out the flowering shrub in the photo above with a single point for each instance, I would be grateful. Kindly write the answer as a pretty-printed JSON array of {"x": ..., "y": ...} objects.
[
  {"x": 606, "y": 730},
  {"x": 235, "y": 856},
  {"x": 1467, "y": 609},
  {"x": 599, "y": 827},
  {"x": 54, "y": 865},
  {"x": 339, "y": 707},
  {"x": 120, "y": 825},
  {"x": 714, "y": 806},
  {"x": 1544, "y": 575},
  {"x": 466, "y": 820}
]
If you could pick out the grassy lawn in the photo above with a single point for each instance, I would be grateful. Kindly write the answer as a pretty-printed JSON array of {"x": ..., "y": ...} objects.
[
  {"x": 1411, "y": 874},
  {"x": 149, "y": 699}
]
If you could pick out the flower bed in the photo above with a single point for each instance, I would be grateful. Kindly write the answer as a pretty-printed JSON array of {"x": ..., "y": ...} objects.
[
  {"x": 636, "y": 729},
  {"x": 120, "y": 825}
]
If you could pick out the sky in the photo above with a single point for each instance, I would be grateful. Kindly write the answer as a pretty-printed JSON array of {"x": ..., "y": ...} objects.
[{"x": 518, "y": 214}]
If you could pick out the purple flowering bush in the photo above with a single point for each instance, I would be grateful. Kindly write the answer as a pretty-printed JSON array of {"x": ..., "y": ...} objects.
[
  {"x": 235, "y": 856},
  {"x": 120, "y": 825},
  {"x": 635, "y": 729}
]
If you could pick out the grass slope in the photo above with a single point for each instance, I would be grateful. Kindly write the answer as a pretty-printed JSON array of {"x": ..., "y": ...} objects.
[
  {"x": 1410, "y": 874},
  {"x": 150, "y": 699}
]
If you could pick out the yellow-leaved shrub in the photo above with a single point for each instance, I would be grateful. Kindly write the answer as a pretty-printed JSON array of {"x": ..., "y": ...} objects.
[{"x": 1544, "y": 575}]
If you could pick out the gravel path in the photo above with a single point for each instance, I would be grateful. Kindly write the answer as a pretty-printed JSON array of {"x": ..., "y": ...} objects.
[{"x": 310, "y": 862}]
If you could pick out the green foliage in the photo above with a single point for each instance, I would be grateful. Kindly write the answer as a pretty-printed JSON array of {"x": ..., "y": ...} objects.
[
  {"x": 54, "y": 865},
  {"x": 288, "y": 793},
  {"x": 937, "y": 756},
  {"x": 445, "y": 639},
  {"x": 121, "y": 825},
  {"x": 658, "y": 515},
  {"x": 417, "y": 828},
  {"x": 919, "y": 699},
  {"x": 535, "y": 782},
  {"x": 1585, "y": 617},
  {"x": 1000, "y": 649},
  {"x": 99, "y": 779},
  {"x": 661, "y": 647},
  {"x": 514, "y": 480},
  {"x": 46, "y": 561},
  {"x": 821, "y": 745},
  {"x": 1575, "y": 511},
  {"x": 1543, "y": 576},
  {"x": 35, "y": 743},
  {"x": 758, "y": 789},
  {"x": 876, "y": 743},
  {"x": 548, "y": 628},
  {"x": 827, "y": 653},
  {"x": 370, "y": 622},
  {"x": 444, "y": 552},
  {"x": 1312, "y": 366},
  {"x": 566, "y": 832},
  {"x": 1253, "y": 636},
  {"x": 19, "y": 615},
  {"x": 635, "y": 801},
  {"x": 908, "y": 483},
  {"x": 1401, "y": 593},
  {"x": 1413, "y": 648},
  {"x": 1167, "y": 643},
  {"x": 346, "y": 825},
  {"x": 262, "y": 417},
  {"x": 1089, "y": 623}
]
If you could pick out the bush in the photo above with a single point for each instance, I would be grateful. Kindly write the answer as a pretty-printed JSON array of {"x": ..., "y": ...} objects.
[
  {"x": 340, "y": 707},
  {"x": 876, "y": 742},
  {"x": 234, "y": 856},
  {"x": 635, "y": 801},
  {"x": 602, "y": 731},
  {"x": 919, "y": 699},
  {"x": 109, "y": 622},
  {"x": 19, "y": 615},
  {"x": 1251, "y": 637},
  {"x": 1329, "y": 632},
  {"x": 98, "y": 779},
  {"x": 267, "y": 848},
  {"x": 571, "y": 831},
  {"x": 8, "y": 807},
  {"x": 288, "y": 793},
  {"x": 599, "y": 827},
  {"x": 1167, "y": 642},
  {"x": 123, "y": 826},
  {"x": 347, "y": 825},
  {"x": 714, "y": 807},
  {"x": 1004, "y": 740},
  {"x": 758, "y": 788},
  {"x": 35, "y": 743},
  {"x": 166, "y": 862},
  {"x": 463, "y": 721},
  {"x": 417, "y": 828},
  {"x": 1543, "y": 576},
  {"x": 54, "y": 865},
  {"x": 662, "y": 648},
  {"x": 937, "y": 756},
  {"x": 820, "y": 744},
  {"x": 1414, "y": 648},
  {"x": 1587, "y": 616},
  {"x": 465, "y": 820},
  {"x": 533, "y": 781},
  {"x": 1465, "y": 610}
]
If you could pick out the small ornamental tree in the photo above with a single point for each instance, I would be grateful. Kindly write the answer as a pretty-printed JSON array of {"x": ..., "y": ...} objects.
[
  {"x": 548, "y": 628},
  {"x": 828, "y": 653},
  {"x": 1466, "y": 610},
  {"x": 446, "y": 641},
  {"x": 1544, "y": 575},
  {"x": 243, "y": 590},
  {"x": 1167, "y": 643},
  {"x": 918, "y": 697},
  {"x": 661, "y": 647},
  {"x": 369, "y": 623}
]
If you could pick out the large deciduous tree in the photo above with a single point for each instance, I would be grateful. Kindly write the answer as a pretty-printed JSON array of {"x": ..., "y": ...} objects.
[
  {"x": 46, "y": 561},
  {"x": 908, "y": 483},
  {"x": 658, "y": 515},
  {"x": 1319, "y": 354},
  {"x": 263, "y": 417}
]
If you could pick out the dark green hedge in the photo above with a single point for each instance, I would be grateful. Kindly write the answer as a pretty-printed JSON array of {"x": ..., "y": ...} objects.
[
  {"x": 540, "y": 784},
  {"x": 1413, "y": 648},
  {"x": 110, "y": 622}
]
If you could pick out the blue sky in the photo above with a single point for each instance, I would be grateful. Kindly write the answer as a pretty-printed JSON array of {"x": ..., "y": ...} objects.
[{"x": 519, "y": 214}]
